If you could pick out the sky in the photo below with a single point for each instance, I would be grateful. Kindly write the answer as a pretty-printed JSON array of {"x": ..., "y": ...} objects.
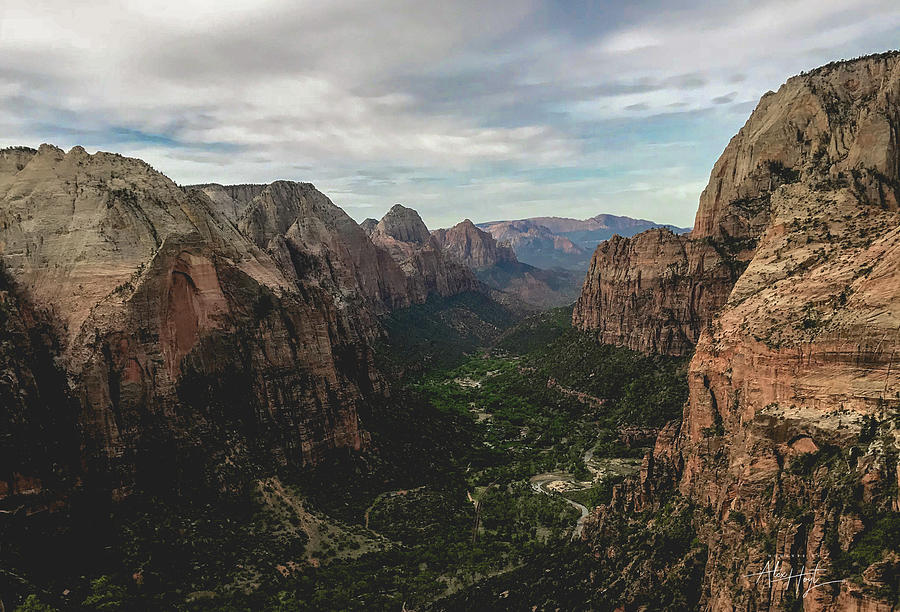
[{"x": 487, "y": 110}]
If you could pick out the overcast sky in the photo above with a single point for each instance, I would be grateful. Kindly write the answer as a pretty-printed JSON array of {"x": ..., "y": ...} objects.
[{"x": 487, "y": 110}]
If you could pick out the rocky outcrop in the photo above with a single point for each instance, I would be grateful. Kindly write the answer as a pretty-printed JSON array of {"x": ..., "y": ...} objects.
[
  {"x": 312, "y": 237},
  {"x": 369, "y": 226},
  {"x": 403, "y": 225},
  {"x": 654, "y": 292},
  {"x": 496, "y": 265},
  {"x": 14, "y": 159},
  {"x": 473, "y": 247},
  {"x": 193, "y": 356},
  {"x": 789, "y": 439},
  {"x": 230, "y": 200},
  {"x": 815, "y": 132},
  {"x": 403, "y": 235}
]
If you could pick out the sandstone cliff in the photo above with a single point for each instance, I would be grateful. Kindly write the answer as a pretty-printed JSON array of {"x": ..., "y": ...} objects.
[
  {"x": 816, "y": 132},
  {"x": 496, "y": 265},
  {"x": 403, "y": 235},
  {"x": 192, "y": 354},
  {"x": 203, "y": 333},
  {"x": 654, "y": 292},
  {"x": 789, "y": 440},
  {"x": 472, "y": 246},
  {"x": 312, "y": 237},
  {"x": 230, "y": 200}
]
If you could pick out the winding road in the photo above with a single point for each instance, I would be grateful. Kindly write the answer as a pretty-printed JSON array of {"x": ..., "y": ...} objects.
[{"x": 539, "y": 483}]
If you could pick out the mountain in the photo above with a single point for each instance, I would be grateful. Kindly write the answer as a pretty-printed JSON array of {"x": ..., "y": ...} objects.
[
  {"x": 787, "y": 292},
  {"x": 496, "y": 265},
  {"x": 403, "y": 234},
  {"x": 473, "y": 247},
  {"x": 199, "y": 334},
  {"x": 559, "y": 242},
  {"x": 236, "y": 397}
]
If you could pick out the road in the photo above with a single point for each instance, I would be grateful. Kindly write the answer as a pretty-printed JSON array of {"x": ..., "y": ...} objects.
[{"x": 539, "y": 483}]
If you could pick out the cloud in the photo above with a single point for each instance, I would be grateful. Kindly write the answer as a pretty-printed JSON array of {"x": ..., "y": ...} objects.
[
  {"x": 528, "y": 105},
  {"x": 724, "y": 99}
]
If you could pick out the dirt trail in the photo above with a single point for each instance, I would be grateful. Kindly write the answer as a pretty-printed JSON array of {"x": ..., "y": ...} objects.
[{"x": 321, "y": 533}]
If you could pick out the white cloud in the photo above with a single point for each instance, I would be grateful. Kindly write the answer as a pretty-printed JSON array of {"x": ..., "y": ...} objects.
[{"x": 483, "y": 98}]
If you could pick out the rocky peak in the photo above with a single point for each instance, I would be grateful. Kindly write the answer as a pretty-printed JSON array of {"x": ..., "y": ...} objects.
[
  {"x": 473, "y": 247},
  {"x": 77, "y": 226},
  {"x": 13, "y": 159},
  {"x": 279, "y": 205},
  {"x": 403, "y": 224},
  {"x": 230, "y": 200},
  {"x": 830, "y": 125},
  {"x": 369, "y": 225},
  {"x": 792, "y": 274},
  {"x": 824, "y": 131},
  {"x": 403, "y": 236}
]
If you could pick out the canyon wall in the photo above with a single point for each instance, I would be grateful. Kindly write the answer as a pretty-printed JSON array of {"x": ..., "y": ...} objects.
[
  {"x": 788, "y": 444},
  {"x": 496, "y": 265},
  {"x": 187, "y": 336},
  {"x": 473, "y": 247}
]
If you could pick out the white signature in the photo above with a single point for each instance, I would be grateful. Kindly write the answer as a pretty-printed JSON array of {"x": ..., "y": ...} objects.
[{"x": 775, "y": 572}]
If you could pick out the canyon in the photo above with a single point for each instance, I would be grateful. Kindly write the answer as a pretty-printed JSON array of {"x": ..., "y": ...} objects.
[
  {"x": 497, "y": 265},
  {"x": 237, "y": 397},
  {"x": 561, "y": 242},
  {"x": 236, "y": 320}
]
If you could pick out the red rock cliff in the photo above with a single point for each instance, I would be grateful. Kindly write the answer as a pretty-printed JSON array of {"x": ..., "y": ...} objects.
[
  {"x": 789, "y": 439},
  {"x": 473, "y": 247},
  {"x": 192, "y": 353}
]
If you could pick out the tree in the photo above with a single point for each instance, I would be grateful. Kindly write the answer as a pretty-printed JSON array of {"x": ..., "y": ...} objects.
[
  {"x": 33, "y": 604},
  {"x": 106, "y": 595}
]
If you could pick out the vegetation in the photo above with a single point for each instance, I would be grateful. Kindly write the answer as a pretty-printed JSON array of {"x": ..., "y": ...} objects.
[
  {"x": 536, "y": 331},
  {"x": 651, "y": 561},
  {"x": 375, "y": 530},
  {"x": 835, "y": 470},
  {"x": 440, "y": 332}
]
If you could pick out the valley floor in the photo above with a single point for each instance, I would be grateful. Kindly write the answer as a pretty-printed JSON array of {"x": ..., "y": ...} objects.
[{"x": 478, "y": 468}]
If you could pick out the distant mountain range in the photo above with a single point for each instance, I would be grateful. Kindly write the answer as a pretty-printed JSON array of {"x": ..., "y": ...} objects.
[
  {"x": 560, "y": 242},
  {"x": 496, "y": 265}
]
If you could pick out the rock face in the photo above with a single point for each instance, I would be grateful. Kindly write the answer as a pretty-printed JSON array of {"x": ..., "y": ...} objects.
[
  {"x": 551, "y": 242},
  {"x": 311, "y": 236},
  {"x": 654, "y": 292},
  {"x": 369, "y": 225},
  {"x": 537, "y": 245},
  {"x": 38, "y": 421},
  {"x": 403, "y": 235},
  {"x": 230, "y": 200},
  {"x": 496, "y": 265},
  {"x": 403, "y": 225},
  {"x": 200, "y": 334},
  {"x": 472, "y": 246},
  {"x": 802, "y": 135},
  {"x": 789, "y": 437}
]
